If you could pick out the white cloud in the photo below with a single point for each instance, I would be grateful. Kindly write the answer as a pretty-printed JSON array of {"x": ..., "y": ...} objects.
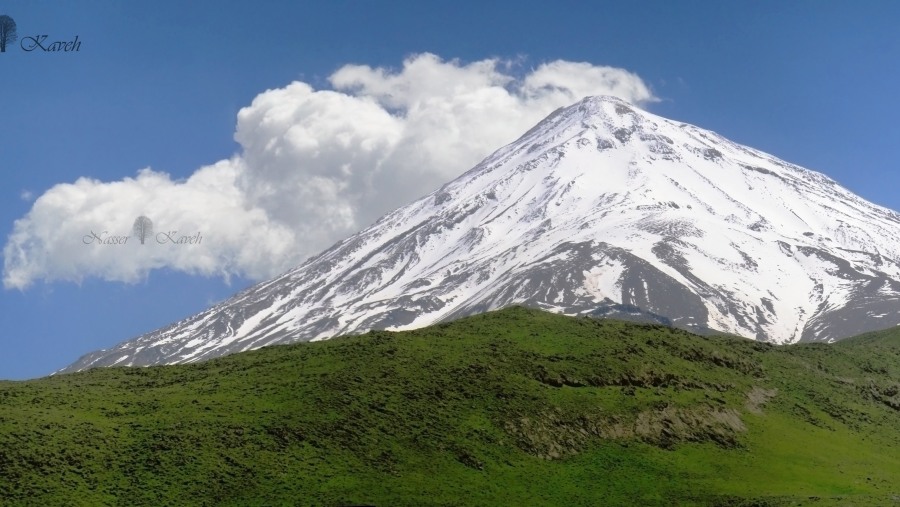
[
  {"x": 315, "y": 167},
  {"x": 60, "y": 238}
]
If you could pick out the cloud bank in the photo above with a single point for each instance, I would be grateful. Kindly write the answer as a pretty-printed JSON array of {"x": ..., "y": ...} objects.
[{"x": 314, "y": 167}]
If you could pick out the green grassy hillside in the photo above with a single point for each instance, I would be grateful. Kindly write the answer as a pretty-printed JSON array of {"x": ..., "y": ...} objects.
[{"x": 515, "y": 407}]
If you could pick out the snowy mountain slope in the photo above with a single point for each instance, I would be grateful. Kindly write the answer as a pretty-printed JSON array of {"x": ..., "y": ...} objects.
[{"x": 600, "y": 209}]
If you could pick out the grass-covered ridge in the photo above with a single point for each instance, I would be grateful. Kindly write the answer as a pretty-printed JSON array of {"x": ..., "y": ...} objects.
[{"x": 515, "y": 407}]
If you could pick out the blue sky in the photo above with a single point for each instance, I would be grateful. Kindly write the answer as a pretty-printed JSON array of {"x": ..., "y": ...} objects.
[{"x": 159, "y": 85}]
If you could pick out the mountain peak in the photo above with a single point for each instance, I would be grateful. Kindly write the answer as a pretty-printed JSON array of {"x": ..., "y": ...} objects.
[
  {"x": 600, "y": 209},
  {"x": 604, "y": 115},
  {"x": 600, "y": 99},
  {"x": 605, "y": 106}
]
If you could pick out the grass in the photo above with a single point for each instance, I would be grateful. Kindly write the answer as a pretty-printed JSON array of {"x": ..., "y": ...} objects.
[{"x": 515, "y": 407}]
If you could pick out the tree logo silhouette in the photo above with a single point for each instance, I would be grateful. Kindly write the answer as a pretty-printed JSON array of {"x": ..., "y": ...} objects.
[
  {"x": 143, "y": 228},
  {"x": 7, "y": 32}
]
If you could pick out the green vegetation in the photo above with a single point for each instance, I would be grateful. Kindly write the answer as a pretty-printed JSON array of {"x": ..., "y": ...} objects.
[{"x": 515, "y": 407}]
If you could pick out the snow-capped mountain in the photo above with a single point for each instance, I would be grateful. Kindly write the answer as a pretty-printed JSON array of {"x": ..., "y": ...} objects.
[{"x": 600, "y": 209}]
